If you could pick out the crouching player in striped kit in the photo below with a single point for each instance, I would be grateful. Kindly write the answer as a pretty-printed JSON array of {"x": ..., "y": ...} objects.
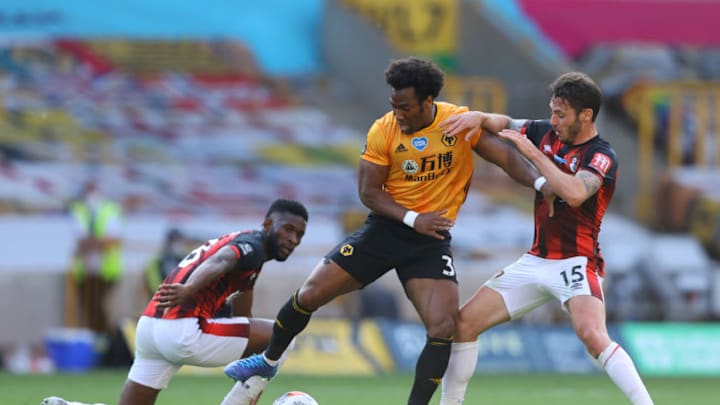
[{"x": 178, "y": 328}]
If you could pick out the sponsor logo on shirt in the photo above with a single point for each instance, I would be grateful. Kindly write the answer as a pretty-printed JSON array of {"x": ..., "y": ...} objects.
[
  {"x": 420, "y": 143},
  {"x": 245, "y": 248},
  {"x": 400, "y": 148},
  {"x": 601, "y": 162},
  {"x": 410, "y": 166},
  {"x": 429, "y": 168}
]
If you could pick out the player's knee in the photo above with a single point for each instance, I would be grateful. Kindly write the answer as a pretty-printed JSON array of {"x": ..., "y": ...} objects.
[
  {"x": 310, "y": 297},
  {"x": 595, "y": 339},
  {"x": 443, "y": 328},
  {"x": 465, "y": 330}
]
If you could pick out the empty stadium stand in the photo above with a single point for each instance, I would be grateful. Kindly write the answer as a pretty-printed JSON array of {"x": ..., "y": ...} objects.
[{"x": 166, "y": 131}]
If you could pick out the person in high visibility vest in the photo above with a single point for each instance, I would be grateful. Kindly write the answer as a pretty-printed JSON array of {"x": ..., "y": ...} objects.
[
  {"x": 174, "y": 249},
  {"x": 97, "y": 263}
]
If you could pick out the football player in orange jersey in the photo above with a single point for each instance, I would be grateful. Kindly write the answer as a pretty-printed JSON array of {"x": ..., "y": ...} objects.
[{"x": 414, "y": 179}]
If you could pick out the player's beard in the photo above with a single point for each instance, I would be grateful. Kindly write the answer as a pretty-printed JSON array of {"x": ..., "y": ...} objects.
[
  {"x": 571, "y": 132},
  {"x": 274, "y": 249}
]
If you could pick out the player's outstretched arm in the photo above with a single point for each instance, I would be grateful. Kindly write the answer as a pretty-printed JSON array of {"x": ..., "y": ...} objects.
[
  {"x": 471, "y": 122},
  {"x": 574, "y": 190},
  {"x": 506, "y": 156}
]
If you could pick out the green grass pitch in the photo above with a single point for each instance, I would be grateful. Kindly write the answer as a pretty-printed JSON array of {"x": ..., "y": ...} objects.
[{"x": 105, "y": 385}]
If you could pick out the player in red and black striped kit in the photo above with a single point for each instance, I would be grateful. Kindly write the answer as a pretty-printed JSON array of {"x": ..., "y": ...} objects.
[
  {"x": 177, "y": 326},
  {"x": 564, "y": 262},
  {"x": 573, "y": 231}
]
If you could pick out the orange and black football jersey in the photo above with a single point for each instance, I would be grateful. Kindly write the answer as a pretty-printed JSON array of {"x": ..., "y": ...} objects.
[
  {"x": 250, "y": 251},
  {"x": 428, "y": 170}
]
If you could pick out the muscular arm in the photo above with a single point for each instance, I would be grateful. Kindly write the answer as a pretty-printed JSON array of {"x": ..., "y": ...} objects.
[
  {"x": 573, "y": 189},
  {"x": 591, "y": 183},
  {"x": 472, "y": 121},
  {"x": 221, "y": 262},
  {"x": 169, "y": 295},
  {"x": 370, "y": 187},
  {"x": 495, "y": 122},
  {"x": 504, "y": 155},
  {"x": 371, "y": 178}
]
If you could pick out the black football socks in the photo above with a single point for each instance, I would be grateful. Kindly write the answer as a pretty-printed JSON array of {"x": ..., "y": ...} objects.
[
  {"x": 429, "y": 370},
  {"x": 290, "y": 321}
]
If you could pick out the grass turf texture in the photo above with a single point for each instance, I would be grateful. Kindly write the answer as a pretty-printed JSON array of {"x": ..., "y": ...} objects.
[{"x": 105, "y": 385}]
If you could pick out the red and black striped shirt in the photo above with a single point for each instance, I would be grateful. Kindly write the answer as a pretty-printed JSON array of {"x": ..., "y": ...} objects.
[
  {"x": 573, "y": 231},
  {"x": 250, "y": 251}
]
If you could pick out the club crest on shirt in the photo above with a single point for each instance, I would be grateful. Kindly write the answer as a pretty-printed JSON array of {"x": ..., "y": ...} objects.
[
  {"x": 420, "y": 143},
  {"x": 410, "y": 166},
  {"x": 573, "y": 165},
  {"x": 448, "y": 140},
  {"x": 347, "y": 249}
]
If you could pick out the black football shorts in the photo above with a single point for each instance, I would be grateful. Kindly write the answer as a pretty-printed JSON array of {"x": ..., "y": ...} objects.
[{"x": 383, "y": 244}]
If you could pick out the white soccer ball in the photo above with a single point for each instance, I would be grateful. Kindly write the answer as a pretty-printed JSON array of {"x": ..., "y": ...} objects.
[
  {"x": 60, "y": 401},
  {"x": 53, "y": 401},
  {"x": 295, "y": 398}
]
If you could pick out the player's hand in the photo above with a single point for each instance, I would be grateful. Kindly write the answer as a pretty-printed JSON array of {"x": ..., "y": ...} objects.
[
  {"x": 521, "y": 141},
  {"x": 470, "y": 121},
  {"x": 433, "y": 222},
  {"x": 526, "y": 147},
  {"x": 170, "y": 295},
  {"x": 549, "y": 196}
]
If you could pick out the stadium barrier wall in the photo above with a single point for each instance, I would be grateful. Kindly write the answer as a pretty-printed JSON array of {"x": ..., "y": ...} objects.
[{"x": 378, "y": 346}]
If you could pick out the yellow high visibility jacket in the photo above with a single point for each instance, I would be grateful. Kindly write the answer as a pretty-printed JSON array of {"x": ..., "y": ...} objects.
[{"x": 110, "y": 260}]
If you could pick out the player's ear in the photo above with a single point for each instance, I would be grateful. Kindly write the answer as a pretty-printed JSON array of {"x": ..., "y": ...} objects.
[
  {"x": 428, "y": 102},
  {"x": 586, "y": 115},
  {"x": 267, "y": 224}
]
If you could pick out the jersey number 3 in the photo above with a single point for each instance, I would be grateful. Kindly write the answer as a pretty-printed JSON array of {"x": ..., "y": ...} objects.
[{"x": 449, "y": 268}]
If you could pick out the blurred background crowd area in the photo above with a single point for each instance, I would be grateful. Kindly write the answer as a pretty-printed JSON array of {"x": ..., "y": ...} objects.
[{"x": 194, "y": 116}]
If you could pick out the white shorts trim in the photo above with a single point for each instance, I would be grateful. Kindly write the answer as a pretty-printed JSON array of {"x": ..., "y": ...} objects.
[
  {"x": 532, "y": 281},
  {"x": 162, "y": 346}
]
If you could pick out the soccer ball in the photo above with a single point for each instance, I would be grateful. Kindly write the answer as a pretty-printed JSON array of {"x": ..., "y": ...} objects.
[
  {"x": 295, "y": 398},
  {"x": 53, "y": 401},
  {"x": 60, "y": 401}
]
